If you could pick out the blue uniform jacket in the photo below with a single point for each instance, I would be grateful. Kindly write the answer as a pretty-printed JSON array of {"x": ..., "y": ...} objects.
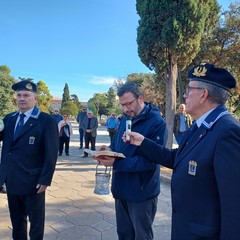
[
  {"x": 30, "y": 159},
  {"x": 134, "y": 178},
  {"x": 204, "y": 205}
]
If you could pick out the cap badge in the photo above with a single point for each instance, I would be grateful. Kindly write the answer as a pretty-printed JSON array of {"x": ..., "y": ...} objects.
[
  {"x": 29, "y": 86},
  {"x": 200, "y": 71}
]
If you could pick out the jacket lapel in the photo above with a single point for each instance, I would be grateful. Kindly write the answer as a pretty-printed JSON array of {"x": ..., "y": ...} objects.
[
  {"x": 207, "y": 124},
  {"x": 187, "y": 147}
]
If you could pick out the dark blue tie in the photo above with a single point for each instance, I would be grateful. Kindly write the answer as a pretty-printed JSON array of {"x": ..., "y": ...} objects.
[{"x": 19, "y": 125}]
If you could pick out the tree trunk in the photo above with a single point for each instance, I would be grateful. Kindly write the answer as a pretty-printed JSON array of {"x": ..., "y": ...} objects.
[{"x": 171, "y": 101}]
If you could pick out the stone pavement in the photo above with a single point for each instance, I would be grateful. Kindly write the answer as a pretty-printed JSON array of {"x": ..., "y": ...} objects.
[{"x": 74, "y": 212}]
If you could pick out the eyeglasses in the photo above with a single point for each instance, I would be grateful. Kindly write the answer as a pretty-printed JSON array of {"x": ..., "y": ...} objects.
[
  {"x": 188, "y": 88},
  {"x": 65, "y": 116},
  {"x": 128, "y": 104}
]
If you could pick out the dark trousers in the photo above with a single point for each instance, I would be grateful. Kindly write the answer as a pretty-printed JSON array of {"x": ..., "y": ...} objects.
[
  {"x": 89, "y": 139},
  {"x": 23, "y": 206},
  {"x": 62, "y": 141},
  {"x": 112, "y": 132},
  {"x": 81, "y": 135},
  {"x": 135, "y": 219}
]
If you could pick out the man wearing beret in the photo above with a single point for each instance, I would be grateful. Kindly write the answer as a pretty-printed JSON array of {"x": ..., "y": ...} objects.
[
  {"x": 206, "y": 166},
  {"x": 29, "y": 155}
]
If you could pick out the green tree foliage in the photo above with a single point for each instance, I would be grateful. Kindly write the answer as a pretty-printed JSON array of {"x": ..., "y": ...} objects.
[
  {"x": 44, "y": 97},
  {"x": 6, "y": 93},
  {"x": 169, "y": 36},
  {"x": 118, "y": 83},
  {"x": 75, "y": 100},
  {"x": 153, "y": 89},
  {"x": 69, "y": 108},
  {"x": 112, "y": 100},
  {"x": 222, "y": 48},
  {"x": 98, "y": 104},
  {"x": 113, "y": 104},
  {"x": 66, "y": 94},
  {"x": 5, "y": 69}
]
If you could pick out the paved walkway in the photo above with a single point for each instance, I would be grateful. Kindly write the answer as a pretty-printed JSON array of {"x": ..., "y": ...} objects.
[{"x": 74, "y": 212}]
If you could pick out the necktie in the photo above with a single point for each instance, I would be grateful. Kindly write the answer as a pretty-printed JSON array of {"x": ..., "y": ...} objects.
[
  {"x": 192, "y": 130},
  {"x": 19, "y": 125}
]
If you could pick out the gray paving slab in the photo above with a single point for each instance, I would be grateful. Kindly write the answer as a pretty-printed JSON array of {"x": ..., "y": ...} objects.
[{"x": 74, "y": 212}]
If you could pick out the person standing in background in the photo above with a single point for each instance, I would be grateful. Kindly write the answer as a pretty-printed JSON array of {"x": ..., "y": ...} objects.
[
  {"x": 56, "y": 115},
  {"x": 80, "y": 118},
  {"x": 65, "y": 130},
  {"x": 112, "y": 126},
  {"x": 182, "y": 122},
  {"x": 29, "y": 155},
  {"x": 90, "y": 125},
  {"x": 135, "y": 181}
]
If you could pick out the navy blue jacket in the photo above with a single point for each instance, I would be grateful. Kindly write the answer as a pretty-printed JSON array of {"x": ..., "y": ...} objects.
[
  {"x": 30, "y": 159},
  {"x": 205, "y": 204},
  {"x": 134, "y": 178}
]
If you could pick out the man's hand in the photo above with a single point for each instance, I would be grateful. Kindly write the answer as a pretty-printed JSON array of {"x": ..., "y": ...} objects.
[
  {"x": 103, "y": 148},
  {"x": 106, "y": 161},
  {"x": 135, "y": 138},
  {"x": 41, "y": 188}
]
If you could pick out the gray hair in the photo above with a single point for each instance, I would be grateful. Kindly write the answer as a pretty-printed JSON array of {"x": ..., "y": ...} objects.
[{"x": 216, "y": 94}]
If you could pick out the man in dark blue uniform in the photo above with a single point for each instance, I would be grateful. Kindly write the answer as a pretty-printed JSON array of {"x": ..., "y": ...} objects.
[
  {"x": 29, "y": 155},
  {"x": 206, "y": 166}
]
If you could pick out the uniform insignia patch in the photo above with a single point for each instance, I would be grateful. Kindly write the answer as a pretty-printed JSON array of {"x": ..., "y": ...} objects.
[
  {"x": 31, "y": 140},
  {"x": 192, "y": 168}
]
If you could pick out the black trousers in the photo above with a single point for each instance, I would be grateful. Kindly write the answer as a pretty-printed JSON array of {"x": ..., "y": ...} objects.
[
  {"x": 62, "y": 141},
  {"x": 23, "y": 206},
  {"x": 112, "y": 132},
  {"x": 89, "y": 139}
]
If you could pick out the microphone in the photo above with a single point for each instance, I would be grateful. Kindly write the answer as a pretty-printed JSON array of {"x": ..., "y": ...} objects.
[{"x": 128, "y": 129}]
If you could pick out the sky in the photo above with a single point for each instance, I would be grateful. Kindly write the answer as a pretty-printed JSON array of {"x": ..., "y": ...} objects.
[{"x": 85, "y": 43}]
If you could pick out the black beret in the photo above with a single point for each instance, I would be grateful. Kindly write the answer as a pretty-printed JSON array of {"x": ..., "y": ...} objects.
[
  {"x": 25, "y": 85},
  {"x": 208, "y": 73}
]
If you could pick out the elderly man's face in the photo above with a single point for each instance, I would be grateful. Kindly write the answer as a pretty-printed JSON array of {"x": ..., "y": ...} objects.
[
  {"x": 193, "y": 98},
  {"x": 25, "y": 100}
]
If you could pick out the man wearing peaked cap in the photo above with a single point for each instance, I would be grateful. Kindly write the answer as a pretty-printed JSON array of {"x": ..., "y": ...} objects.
[
  {"x": 208, "y": 73},
  {"x": 25, "y": 85},
  {"x": 206, "y": 166},
  {"x": 29, "y": 155}
]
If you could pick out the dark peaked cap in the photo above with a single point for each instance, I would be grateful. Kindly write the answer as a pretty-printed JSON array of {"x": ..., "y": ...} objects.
[
  {"x": 25, "y": 85},
  {"x": 208, "y": 73}
]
